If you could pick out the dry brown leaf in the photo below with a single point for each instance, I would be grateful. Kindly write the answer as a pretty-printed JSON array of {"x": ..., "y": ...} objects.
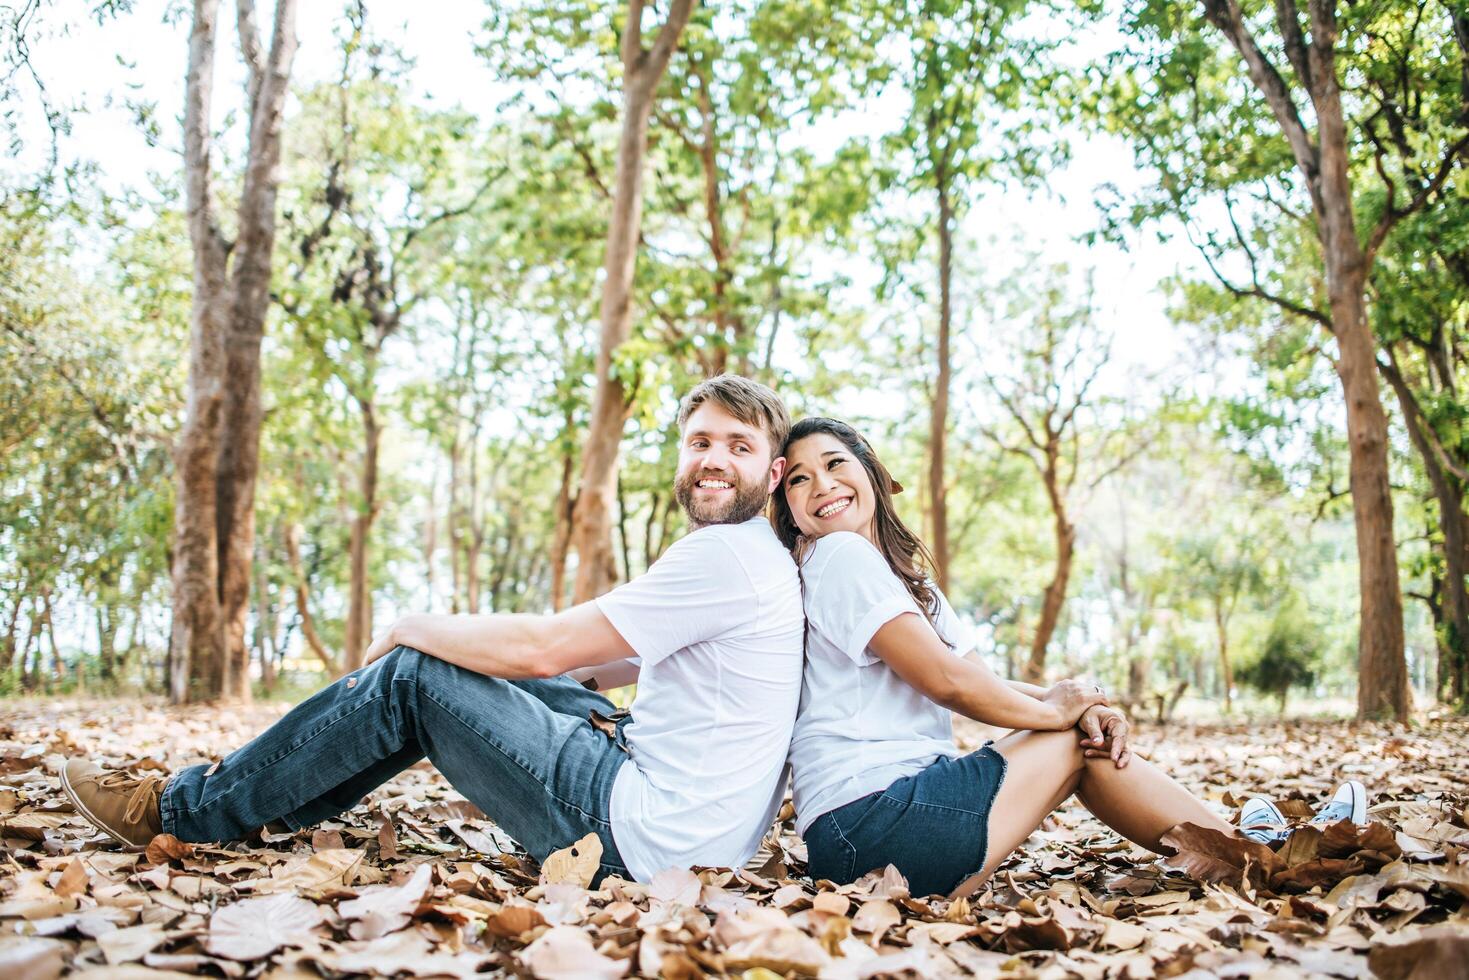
[
  {"x": 782, "y": 950},
  {"x": 32, "y": 826},
  {"x": 514, "y": 920},
  {"x": 1435, "y": 953},
  {"x": 73, "y": 880},
  {"x": 567, "y": 953},
  {"x": 256, "y": 927},
  {"x": 876, "y": 917},
  {"x": 129, "y": 945},
  {"x": 309, "y": 872},
  {"x": 1120, "y": 934},
  {"x": 404, "y": 951},
  {"x": 942, "y": 933},
  {"x": 831, "y": 903},
  {"x": 326, "y": 840},
  {"x": 30, "y": 959},
  {"x": 1209, "y": 855},
  {"x": 387, "y": 838},
  {"x": 384, "y": 908},
  {"x": 676, "y": 886},
  {"x": 576, "y": 865},
  {"x": 164, "y": 848}
]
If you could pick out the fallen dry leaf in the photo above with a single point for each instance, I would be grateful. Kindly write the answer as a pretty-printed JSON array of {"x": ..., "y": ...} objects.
[
  {"x": 164, "y": 848},
  {"x": 567, "y": 953},
  {"x": 383, "y": 908},
  {"x": 256, "y": 927},
  {"x": 576, "y": 865}
]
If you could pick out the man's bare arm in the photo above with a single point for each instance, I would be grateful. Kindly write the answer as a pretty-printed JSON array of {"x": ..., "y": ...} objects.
[{"x": 510, "y": 645}]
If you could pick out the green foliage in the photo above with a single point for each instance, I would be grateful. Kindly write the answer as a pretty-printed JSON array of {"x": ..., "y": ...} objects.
[{"x": 1289, "y": 656}]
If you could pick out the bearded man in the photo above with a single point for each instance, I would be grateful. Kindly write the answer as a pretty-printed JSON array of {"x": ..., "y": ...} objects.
[{"x": 501, "y": 703}]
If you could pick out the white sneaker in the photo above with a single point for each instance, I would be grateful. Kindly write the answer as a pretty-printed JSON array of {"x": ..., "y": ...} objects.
[
  {"x": 1262, "y": 822},
  {"x": 1348, "y": 803}
]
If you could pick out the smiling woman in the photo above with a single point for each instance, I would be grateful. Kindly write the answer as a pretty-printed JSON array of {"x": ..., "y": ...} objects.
[{"x": 876, "y": 776}]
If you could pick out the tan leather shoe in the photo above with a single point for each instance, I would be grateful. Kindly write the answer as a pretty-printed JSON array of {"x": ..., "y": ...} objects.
[{"x": 121, "y": 804}]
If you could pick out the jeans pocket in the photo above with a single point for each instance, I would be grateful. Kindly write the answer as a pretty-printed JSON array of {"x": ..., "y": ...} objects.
[{"x": 828, "y": 852}]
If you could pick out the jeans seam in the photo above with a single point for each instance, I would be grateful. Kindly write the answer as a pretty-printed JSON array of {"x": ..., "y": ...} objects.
[
  {"x": 519, "y": 764},
  {"x": 851, "y": 848}
]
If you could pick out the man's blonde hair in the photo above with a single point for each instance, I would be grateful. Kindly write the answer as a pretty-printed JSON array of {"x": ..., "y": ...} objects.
[{"x": 749, "y": 401}]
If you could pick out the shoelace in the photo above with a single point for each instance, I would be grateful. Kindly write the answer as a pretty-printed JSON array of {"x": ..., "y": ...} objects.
[{"x": 137, "y": 803}]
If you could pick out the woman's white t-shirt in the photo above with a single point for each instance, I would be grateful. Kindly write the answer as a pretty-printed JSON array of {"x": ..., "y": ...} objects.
[{"x": 860, "y": 725}]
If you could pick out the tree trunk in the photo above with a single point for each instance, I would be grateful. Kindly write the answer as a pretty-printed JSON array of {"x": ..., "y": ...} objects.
[
  {"x": 264, "y": 628},
  {"x": 431, "y": 536},
  {"x": 217, "y": 454},
  {"x": 472, "y": 553},
  {"x": 1454, "y": 524},
  {"x": 454, "y": 520},
  {"x": 30, "y": 670},
  {"x": 938, "y": 422},
  {"x": 1226, "y": 671},
  {"x": 1055, "y": 594},
  {"x": 197, "y": 641},
  {"x": 58, "y": 669},
  {"x": 1382, "y": 687},
  {"x": 359, "y": 596},
  {"x": 562, "y": 535},
  {"x": 106, "y": 642},
  {"x": 592, "y": 519},
  {"x": 292, "y": 540},
  {"x": 7, "y": 644}
]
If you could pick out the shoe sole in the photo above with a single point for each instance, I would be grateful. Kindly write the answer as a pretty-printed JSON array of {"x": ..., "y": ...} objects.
[
  {"x": 1359, "y": 801},
  {"x": 76, "y": 801}
]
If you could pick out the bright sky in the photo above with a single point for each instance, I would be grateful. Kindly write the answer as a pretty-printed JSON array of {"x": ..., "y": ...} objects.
[{"x": 141, "y": 57}]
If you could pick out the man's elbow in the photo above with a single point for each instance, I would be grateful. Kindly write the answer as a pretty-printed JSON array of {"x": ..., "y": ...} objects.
[{"x": 543, "y": 666}]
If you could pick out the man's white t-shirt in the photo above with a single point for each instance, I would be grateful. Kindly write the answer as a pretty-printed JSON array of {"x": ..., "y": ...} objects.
[
  {"x": 717, "y": 623},
  {"x": 860, "y": 725}
]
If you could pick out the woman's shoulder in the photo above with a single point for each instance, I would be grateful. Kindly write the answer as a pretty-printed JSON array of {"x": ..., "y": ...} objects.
[
  {"x": 847, "y": 562},
  {"x": 852, "y": 546}
]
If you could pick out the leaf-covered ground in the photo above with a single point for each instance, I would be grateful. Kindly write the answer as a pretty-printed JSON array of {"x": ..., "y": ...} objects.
[{"x": 417, "y": 881}]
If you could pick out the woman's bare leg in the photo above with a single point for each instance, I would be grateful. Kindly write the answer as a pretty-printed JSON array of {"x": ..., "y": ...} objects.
[{"x": 1140, "y": 802}]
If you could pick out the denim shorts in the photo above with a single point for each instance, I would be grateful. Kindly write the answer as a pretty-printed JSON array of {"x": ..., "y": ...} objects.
[{"x": 932, "y": 826}]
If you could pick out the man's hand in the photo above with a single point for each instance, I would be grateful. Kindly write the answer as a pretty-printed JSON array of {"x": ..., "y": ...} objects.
[
  {"x": 382, "y": 644},
  {"x": 1104, "y": 733}
]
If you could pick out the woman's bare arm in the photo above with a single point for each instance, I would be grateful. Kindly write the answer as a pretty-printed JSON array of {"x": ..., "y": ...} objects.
[{"x": 909, "y": 645}]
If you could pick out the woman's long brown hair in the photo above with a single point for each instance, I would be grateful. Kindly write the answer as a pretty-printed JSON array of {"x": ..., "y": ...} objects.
[{"x": 904, "y": 552}]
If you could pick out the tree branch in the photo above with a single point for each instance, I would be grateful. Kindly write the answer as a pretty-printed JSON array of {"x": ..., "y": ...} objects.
[{"x": 1226, "y": 15}]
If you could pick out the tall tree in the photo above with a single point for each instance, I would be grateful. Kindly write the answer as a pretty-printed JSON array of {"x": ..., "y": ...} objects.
[
  {"x": 592, "y": 516},
  {"x": 973, "y": 66},
  {"x": 1053, "y": 420},
  {"x": 217, "y": 452},
  {"x": 1317, "y": 137},
  {"x": 373, "y": 236}
]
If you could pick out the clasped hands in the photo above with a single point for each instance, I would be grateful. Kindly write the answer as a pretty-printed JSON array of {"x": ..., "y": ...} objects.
[{"x": 1104, "y": 729}]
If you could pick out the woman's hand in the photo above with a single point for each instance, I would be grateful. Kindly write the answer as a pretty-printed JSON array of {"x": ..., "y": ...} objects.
[
  {"x": 1105, "y": 732},
  {"x": 1070, "y": 699}
]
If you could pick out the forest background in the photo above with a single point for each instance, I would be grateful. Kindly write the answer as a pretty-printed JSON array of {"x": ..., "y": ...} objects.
[{"x": 1157, "y": 310}]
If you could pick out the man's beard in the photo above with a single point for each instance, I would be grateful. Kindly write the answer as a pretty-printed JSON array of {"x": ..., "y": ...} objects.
[{"x": 747, "y": 500}]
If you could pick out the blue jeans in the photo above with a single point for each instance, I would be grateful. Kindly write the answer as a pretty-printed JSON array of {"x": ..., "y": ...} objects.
[
  {"x": 932, "y": 826},
  {"x": 525, "y": 752}
]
